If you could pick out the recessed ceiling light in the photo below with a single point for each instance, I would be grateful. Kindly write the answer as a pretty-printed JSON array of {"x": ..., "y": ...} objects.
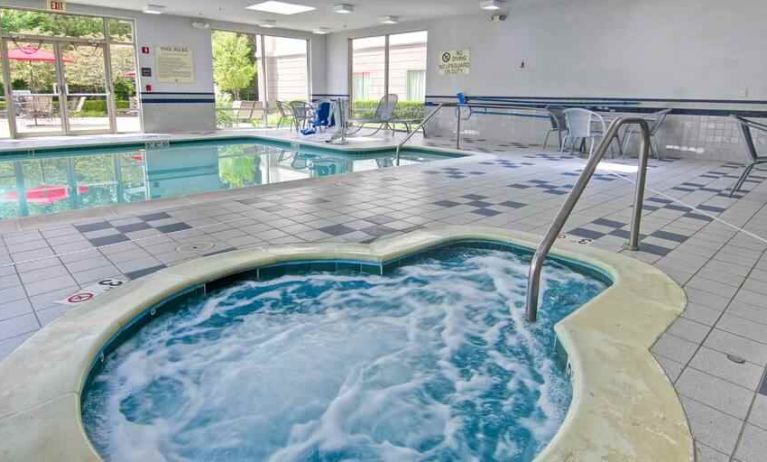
[
  {"x": 490, "y": 4},
  {"x": 389, "y": 20},
  {"x": 322, "y": 30},
  {"x": 154, "y": 9},
  {"x": 343, "y": 8},
  {"x": 269, "y": 23},
  {"x": 273, "y": 6}
]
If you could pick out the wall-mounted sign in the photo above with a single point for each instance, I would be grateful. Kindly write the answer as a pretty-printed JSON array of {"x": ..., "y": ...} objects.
[
  {"x": 144, "y": 50},
  {"x": 174, "y": 64},
  {"x": 146, "y": 72},
  {"x": 455, "y": 62},
  {"x": 56, "y": 5}
]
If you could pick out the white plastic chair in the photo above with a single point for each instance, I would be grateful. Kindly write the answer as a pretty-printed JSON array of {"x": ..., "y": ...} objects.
[{"x": 583, "y": 125}]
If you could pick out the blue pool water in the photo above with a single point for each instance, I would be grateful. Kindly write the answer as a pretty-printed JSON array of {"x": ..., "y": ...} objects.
[
  {"x": 55, "y": 181},
  {"x": 431, "y": 361}
]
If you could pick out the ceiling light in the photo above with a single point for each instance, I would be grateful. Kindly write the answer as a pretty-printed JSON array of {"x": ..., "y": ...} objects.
[
  {"x": 269, "y": 23},
  {"x": 321, "y": 30},
  {"x": 343, "y": 8},
  {"x": 154, "y": 9},
  {"x": 276, "y": 7},
  {"x": 389, "y": 20},
  {"x": 490, "y": 4}
]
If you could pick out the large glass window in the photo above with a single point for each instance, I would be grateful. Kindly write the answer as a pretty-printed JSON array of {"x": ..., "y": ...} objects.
[
  {"x": 369, "y": 67},
  {"x": 236, "y": 72},
  {"x": 67, "y": 73},
  {"x": 287, "y": 68},
  {"x": 393, "y": 64},
  {"x": 5, "y": 129}
]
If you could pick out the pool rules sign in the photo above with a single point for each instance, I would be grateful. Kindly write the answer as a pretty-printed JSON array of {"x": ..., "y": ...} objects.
[
  {"x": 174, "y": 64},
  {"x": 455, "y": 62}
]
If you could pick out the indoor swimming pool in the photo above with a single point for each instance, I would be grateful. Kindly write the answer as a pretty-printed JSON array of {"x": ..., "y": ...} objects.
[{"x": 54, "y": 181}]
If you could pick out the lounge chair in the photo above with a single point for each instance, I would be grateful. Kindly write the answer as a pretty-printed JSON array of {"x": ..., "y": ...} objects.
[
  {"x": 243, "y": 111},
  {"x": 384, "y": 116},
  {"x": 745, "y": 130}
]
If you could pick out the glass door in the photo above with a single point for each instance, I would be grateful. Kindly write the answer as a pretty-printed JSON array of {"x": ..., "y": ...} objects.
[
  {"x": 86, "y": 91},
  {"x": 35, "y": 81}
]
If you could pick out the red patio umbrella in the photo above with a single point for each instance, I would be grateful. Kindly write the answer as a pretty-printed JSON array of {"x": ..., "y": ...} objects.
[
  {"x": 45, "y": 194},
  {"x": 32, "y": 54}
]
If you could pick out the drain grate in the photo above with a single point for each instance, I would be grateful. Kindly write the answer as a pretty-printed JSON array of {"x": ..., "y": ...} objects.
[{"x": 195, "y": 247}]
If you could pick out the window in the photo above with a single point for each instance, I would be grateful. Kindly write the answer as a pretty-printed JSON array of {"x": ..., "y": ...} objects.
[
  {"x": 361, "y": 85},
  {"x": 287, "y": 68},
  {"x": 416, "y": 85},
  {"x": 389, "y": 64}
]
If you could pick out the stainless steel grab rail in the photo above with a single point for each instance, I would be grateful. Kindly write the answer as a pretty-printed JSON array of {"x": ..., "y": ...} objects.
[
  {"x": 418, "y": 127},
  {"x": 536, "y": 265}
]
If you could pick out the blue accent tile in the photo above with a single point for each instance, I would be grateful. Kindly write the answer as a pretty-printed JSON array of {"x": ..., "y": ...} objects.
[{"x": 173, "y": 227}]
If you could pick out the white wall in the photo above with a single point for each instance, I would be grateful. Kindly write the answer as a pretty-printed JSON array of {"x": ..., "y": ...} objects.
[
  {"x": 596, "y": 48},
  {"x": 198, "y": 112},
  {"x": 626, "y": 49}
]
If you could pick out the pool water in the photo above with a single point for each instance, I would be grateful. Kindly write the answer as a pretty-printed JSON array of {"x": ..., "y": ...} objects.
[
  {"x": 431, "y": 361},
  {"x": 56, "y": 181}
]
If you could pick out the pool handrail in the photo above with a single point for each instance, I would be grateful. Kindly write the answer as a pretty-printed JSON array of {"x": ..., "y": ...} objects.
[
  {"x": 536, "y": 264},
  {"x": 418, "y": 127}
]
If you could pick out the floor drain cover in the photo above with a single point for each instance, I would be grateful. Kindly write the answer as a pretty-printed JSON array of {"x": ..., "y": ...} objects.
[{"x": 195, "y": 247}]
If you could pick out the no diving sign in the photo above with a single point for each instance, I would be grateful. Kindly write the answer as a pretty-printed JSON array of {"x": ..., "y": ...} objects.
[{"x": 87, "y": 294}]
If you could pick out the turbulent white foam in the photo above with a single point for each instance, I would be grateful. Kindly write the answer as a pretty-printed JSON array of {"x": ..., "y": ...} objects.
[{"x": 375, "y": 372}]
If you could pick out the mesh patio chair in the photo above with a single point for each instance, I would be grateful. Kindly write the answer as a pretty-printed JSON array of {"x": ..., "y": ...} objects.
[
  {"x": 303, "y": 113},
  {"x": 656, "y": 120},
  {"x": 746, "y": 126},
  {"x": 383, "y": 117},
  {"x": 558, "y": 124},
  {"x": 243, "y": 111},
  {"x": 286, "y": 114}
]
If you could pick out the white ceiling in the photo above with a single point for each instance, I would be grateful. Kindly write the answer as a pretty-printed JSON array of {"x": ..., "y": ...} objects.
[{"x": 366, "y": 12}]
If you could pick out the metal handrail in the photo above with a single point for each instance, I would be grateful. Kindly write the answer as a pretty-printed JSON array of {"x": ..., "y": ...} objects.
[
  {"x": 418, "y": 127},
  {"x": 536, "y": 265}
]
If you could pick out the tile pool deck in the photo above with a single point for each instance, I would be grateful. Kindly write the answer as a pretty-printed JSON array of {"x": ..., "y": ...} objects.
[{"x": 715, "y": 353}]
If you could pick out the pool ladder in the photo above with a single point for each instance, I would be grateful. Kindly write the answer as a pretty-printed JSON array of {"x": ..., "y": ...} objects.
[{"x": 536, "y": 265}]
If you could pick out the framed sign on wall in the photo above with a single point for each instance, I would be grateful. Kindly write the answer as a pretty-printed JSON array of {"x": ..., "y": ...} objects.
[
  {"x": 455, "y": 62},
  {"x": 175, "y": 64}
]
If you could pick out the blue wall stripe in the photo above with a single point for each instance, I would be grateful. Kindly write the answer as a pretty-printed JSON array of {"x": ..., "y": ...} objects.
[{"x": 178, "y": 101}]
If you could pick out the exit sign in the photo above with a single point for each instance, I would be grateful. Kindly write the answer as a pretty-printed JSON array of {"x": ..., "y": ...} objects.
[{"x": 56, "y": 5}]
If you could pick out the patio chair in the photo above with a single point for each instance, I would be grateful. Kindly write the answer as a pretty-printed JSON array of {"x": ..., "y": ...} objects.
[
  {"x": 76, "y": 105},
  {"x": 40, "y": 107},
  {"x": 286, "y": 114},
  {"x": 303, "y": 113},
  {"x": 656, "y": 120},
  {"x": 558, "y": 124},
  {"x": 243, "y": 111},
  {"x": 586, "y": 126},
  {"x": 383, "y": 116},
  {"x": 746, "y": 126}
]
